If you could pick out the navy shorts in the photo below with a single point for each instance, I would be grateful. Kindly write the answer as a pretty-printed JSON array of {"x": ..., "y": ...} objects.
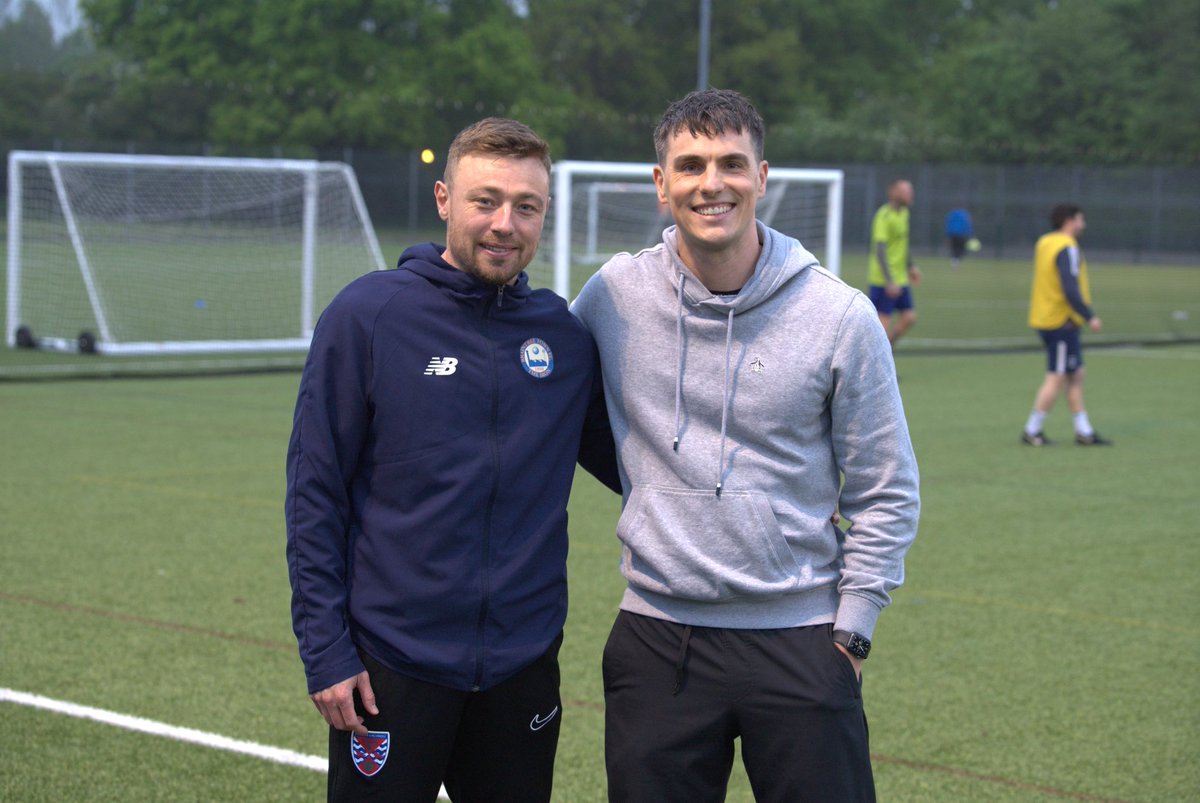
[
  {"x": 885, "y": 304},
  {"x": 1064, "y": 352}
]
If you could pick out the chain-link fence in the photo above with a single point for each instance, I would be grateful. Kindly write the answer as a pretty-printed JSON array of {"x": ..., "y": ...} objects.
[{"x": 1136, "y": 214}]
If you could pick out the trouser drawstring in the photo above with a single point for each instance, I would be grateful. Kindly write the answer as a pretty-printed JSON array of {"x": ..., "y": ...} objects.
[{"x": 683, "y": 645}]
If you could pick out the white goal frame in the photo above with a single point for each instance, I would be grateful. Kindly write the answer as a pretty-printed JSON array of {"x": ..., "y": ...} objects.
[
  {"x": 566, "y": 172},
  {"x": 53, "y": 160}
]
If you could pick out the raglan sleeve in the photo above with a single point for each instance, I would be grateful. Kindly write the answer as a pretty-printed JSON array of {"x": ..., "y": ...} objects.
[
  {"x": 329, "y": 428},
  {"x": 881, "y": 493},
  {"x": 597, "y": 450}
]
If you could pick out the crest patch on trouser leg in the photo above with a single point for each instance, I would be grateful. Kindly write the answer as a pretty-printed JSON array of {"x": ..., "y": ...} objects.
[{"x": 370, "y": 752}]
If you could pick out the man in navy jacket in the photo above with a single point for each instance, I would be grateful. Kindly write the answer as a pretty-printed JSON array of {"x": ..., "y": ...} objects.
[{"x": 441, "y": 411}]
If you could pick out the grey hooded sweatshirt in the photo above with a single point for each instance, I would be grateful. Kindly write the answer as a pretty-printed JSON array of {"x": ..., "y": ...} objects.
[{"x": 735, "y": 420}]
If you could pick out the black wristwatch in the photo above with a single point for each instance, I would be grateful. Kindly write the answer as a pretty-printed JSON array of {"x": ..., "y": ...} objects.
[{"x": 856, "y": 645}]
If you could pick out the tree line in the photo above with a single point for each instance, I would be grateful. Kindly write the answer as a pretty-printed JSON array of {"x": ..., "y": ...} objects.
[{"x": 980, "y": 81}]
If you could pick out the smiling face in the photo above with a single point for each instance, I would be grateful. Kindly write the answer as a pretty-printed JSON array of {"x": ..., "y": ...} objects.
[
  {"x": 712, "y": 185},
  {"x": 494, "y": 208}
]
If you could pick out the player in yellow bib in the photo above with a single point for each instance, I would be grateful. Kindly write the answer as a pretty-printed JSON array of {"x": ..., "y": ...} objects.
[
  {"x": 1059, "y": 306},
  {"x": 891, "y": 273}
]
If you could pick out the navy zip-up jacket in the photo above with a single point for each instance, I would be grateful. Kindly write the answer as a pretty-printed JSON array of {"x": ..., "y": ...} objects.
[{"x": 435, "y": 436}]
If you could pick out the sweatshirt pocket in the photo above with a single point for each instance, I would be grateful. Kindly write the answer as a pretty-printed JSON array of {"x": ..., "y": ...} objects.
[{"x": 693, "y": 544}]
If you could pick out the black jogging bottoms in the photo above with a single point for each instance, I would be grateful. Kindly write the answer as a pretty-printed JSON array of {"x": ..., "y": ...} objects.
[{"x": 676, "y": 697}]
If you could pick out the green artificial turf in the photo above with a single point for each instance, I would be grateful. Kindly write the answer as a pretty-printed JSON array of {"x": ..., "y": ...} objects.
[{"x": 1044, "y": 646}]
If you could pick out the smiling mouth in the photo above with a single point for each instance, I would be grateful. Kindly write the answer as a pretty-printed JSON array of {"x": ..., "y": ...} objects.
[
  {"x": 714, "y": 209},
  {"x": 497, "y": 250}
]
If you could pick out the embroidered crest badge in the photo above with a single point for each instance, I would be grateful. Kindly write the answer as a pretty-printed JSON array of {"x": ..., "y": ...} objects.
[
  {"x": 370, "y": 752},
  {"x": 536, "y": 358}
]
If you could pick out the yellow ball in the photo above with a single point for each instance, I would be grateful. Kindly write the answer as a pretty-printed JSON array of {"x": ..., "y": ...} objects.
[{"x": 427, "y": 156}]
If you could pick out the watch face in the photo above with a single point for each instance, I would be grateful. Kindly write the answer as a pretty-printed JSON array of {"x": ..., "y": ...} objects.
[{"x": 859, "y": 647}]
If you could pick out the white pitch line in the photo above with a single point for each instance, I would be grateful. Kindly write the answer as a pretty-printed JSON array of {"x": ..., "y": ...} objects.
[{"x": 277, "y": 755}]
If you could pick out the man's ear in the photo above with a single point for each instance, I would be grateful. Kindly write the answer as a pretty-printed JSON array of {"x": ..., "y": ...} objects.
[
  {"x": 441, "y": 194},
  {"x": 660, "y": 181}
]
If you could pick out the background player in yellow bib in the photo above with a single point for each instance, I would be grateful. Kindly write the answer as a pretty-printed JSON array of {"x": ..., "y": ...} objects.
[
  {"x": 1059, "y": 305},
  {"x": 891, "y": 273}
]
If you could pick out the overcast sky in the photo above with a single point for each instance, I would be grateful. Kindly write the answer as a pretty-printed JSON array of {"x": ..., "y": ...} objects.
[{"x": 64, "y": 15}]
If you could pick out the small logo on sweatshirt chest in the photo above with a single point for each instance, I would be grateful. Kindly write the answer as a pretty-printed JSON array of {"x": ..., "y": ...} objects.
[
  {"x": 757, "y": 366},
  {"x": 441, "y": 366}
]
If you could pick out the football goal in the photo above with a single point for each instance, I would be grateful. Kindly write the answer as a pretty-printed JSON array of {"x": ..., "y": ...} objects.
[
  {"x": 600, "y": 208},
  {"x": 134, "y": 254}
]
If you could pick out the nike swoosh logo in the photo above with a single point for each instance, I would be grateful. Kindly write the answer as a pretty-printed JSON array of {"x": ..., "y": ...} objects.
[{"x": 537, "y": 723}]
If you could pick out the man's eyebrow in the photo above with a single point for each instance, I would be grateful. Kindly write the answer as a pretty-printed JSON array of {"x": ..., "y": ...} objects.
[
  {"x": 491, "y": 189},
  {"x": 735, "y": 156}
]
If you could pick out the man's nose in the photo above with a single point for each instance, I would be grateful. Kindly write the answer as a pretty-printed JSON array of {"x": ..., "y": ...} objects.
[
  {"x": 712, "y": 181},
  {"x": 502, "y": 218}
]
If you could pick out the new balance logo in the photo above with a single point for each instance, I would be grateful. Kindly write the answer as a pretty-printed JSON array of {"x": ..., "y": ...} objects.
[
  {"x": 441, "y": 366},
  {"x": 537, "y": 723}
]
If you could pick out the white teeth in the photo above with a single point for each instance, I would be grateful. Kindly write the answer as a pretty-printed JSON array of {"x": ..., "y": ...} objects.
[{"x": 715, "y": 210}]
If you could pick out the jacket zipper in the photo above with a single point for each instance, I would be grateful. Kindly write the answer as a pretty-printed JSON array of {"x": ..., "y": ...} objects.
[{"x": 494, "y": 448}]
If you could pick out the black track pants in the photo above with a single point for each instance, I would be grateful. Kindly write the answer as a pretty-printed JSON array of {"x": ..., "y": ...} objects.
[
  {"x": 486, "y": 747},
  {"x": 676, "y": 698}
]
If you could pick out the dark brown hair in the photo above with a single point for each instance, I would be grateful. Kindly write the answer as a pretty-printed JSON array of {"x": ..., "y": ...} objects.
[
  {"x": 709, "y": 112},
  {"x": 1062, "y": 213}
]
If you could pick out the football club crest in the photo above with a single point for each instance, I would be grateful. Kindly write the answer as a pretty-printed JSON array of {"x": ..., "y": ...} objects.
[
  {"x": 370, "y": 752},
  {"x": 536, "y": 358}
]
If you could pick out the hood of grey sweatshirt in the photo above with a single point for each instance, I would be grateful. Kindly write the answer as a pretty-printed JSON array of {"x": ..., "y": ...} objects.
[{"x": 736, "y": 419}]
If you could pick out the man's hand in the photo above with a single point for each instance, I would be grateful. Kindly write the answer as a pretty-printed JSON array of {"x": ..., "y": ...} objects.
[
  {"x": 1094, "y": 324},
  {"x": 914, "y": 275},
  {"x": 336, "y": 703},
  {"x": 855, "y": 662},
  {"x": 892, "y": 289}
]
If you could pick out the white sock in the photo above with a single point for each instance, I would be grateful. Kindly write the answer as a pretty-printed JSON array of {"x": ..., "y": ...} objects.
[
  {"x": 1034, "y": 425},
  {"x": 1082, "y": 425}
]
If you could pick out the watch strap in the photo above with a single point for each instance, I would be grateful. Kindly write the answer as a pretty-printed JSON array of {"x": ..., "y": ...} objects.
[{"x": 858, "y": 645}]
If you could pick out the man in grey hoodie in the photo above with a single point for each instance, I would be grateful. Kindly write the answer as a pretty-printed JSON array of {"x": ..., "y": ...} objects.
[{"x": 753, "y": 399}]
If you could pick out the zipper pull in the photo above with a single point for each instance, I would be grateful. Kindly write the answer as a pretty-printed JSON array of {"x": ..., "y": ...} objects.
[{"x": 500, "y": 296}]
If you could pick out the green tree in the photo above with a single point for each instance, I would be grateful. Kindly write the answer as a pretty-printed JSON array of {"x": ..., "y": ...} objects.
[
  {"x": 1082, "y": 81},
  {"x": 34, "y": 71},
  {"x": 27, "y": 43},
  {"x": 328, "y": 72},
  {"x": 1165, "y": 114}
]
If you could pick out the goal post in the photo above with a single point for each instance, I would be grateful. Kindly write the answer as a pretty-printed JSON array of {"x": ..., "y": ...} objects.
[
  {"x": 140, "y": 254},
  {"x": 600, "y": 208}
]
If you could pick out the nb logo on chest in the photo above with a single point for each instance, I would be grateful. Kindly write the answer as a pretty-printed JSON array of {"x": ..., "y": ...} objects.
[{"x": 441, "y": 366}]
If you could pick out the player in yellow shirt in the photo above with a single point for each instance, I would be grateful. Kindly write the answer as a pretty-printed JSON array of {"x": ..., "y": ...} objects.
[
  {"x": 891, "y": 273},
  {"x": 1059, "y": 306}
]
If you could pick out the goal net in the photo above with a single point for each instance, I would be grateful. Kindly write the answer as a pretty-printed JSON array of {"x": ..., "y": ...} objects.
[
  {"x": 601, "y": 208},
  {"x": 126, "y": 254}
]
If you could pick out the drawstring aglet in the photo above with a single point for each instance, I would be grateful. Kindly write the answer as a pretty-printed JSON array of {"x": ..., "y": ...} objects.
[
  {"x": 675, "y": 446},
  {"x": 718, "y": 489}
]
